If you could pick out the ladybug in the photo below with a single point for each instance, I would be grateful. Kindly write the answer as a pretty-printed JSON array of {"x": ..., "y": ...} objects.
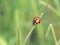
[{"x": 36, "y": 20}]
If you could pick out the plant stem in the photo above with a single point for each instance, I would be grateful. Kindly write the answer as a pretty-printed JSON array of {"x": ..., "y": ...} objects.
[
  {"x": 28, "y": 34},
  {"x": 54, "y": 36},
  {"x": 52, "y": 29},
  {"x": 50, "y": 7}
]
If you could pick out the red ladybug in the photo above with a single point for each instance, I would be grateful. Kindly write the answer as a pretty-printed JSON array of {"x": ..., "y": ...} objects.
[{"x": 36, "y": 20}]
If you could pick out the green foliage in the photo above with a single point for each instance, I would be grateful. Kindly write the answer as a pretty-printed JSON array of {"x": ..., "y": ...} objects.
[{"x": 16, "y": 21}]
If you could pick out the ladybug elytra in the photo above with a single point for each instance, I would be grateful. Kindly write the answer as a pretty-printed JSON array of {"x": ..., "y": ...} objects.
[{"x": 36, "y": 20}]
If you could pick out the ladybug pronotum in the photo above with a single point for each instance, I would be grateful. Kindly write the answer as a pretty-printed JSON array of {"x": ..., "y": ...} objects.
[{"x": 36, "y": 20}]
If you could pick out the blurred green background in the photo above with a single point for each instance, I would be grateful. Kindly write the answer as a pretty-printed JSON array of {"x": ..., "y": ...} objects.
[{"x": 16, "y": 21}]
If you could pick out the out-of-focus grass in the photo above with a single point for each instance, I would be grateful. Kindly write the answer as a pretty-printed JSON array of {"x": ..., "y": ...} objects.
[
  {"x": 3, "y": 41},
  {"x": 53, "y": 33},
  {"x": 16, "y": 21}
]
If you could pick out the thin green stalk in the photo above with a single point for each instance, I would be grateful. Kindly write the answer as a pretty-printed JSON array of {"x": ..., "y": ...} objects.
[
  {"x": 54, "y": 36},
  {"x": 53, "y": 32},
  {"x": 28, "y": 35},
  {"x": 50, "y": 7}
]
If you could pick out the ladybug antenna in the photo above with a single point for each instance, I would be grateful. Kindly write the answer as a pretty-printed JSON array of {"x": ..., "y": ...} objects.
[{"x": 41, "y": 15}]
